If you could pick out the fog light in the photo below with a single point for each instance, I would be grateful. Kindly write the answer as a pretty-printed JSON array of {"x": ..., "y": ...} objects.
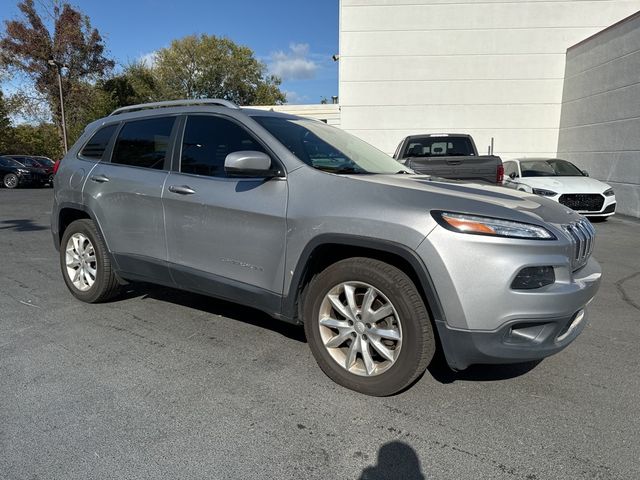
[{"x": 533, "y": 277}]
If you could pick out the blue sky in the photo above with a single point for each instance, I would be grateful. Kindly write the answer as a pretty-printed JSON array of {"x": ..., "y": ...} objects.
[{"x": 294, "y": 38}]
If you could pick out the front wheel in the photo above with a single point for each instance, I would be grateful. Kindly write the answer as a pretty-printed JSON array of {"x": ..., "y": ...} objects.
[
  {"x": 10, "y": 180},
  {"x": 367, "y": 326}
]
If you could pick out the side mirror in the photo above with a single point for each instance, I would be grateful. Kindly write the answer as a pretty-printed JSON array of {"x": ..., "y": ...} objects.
[
  {"x": 585, "y": 173},
  {"x": 249, "y": 163},
  {"x": 512, "y": 175}
]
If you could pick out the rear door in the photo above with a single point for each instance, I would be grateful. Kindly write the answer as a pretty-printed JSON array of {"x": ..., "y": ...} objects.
[
  {"x": 125, "y": 194},
  {"x": 225, "y": 235}
]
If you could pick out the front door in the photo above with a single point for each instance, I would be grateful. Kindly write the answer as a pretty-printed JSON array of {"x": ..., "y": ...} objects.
[{"x": 225, "y": 235}]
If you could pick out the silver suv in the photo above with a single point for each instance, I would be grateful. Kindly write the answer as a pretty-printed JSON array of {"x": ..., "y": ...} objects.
[{"x": 314, "y": 226}]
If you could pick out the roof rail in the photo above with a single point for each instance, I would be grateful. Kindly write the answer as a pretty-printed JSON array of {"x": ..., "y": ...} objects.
[{"x": 176, "y": 103}]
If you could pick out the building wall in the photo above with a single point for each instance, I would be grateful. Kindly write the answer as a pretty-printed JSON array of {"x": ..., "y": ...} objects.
[
  {"x": 329, "y": 113},
  {"x": 600, "y": 121},
  {"x": 491, "y": 68}
]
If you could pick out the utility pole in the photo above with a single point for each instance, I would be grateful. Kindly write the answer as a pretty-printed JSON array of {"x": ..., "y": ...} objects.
[{"x": 59, "y": 67}]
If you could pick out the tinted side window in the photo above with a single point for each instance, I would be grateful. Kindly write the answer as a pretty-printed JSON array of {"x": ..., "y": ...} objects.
[
  {"x": 208, "y": 140},
  {"x": 143, "y": 143},
  {"x": 96, "y": 146}
]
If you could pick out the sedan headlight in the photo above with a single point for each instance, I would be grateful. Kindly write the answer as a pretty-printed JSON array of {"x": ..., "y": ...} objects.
[
  {"x": 544, "y": 193},
  {"x": 609, "y": 192},
  {"x": 22, "y": 170},
  {"x": 477, "y": 225}
]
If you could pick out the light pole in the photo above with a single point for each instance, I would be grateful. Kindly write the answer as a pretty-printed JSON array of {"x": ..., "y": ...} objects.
[{"x": 59, "y": 67}]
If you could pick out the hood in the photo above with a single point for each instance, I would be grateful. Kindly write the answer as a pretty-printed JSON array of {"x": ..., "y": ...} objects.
[
  {"x": 566, "y": 184},
  {"x": 479, "y": 199}
]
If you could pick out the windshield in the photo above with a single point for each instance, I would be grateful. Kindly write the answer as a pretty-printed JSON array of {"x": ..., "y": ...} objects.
[
  {"x": 549, "y": 168},
  {"x": 328, "y": 148},
  {"x": 438, "y": 147}
]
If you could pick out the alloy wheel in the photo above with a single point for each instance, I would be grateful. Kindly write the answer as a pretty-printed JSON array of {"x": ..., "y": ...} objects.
[
  {"x": 360, "y": 328},
  {"x": 80, "y": 261}
]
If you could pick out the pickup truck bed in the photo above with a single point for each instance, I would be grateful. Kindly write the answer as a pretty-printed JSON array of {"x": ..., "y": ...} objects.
[{"x": 451, "y": 156}]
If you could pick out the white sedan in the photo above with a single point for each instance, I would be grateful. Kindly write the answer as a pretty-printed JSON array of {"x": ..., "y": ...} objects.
[{"x": 563, "y": 182}]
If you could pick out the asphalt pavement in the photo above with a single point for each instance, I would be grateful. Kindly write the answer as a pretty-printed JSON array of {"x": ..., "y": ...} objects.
[{"x": 163, "y": 384}]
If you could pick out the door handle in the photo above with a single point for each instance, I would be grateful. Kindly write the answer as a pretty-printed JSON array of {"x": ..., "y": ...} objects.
[
  {"x": 99, "y": 179},
  {"x": 181, "y": 189}
]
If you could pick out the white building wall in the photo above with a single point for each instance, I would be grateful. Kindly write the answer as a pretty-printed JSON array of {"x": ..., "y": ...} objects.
[
  {"x": 600, "y": 121},
  {"x": 491, "y": 68},
  {"x": 328, "y": 113}
]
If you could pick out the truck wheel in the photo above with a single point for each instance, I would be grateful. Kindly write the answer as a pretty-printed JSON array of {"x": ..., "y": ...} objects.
[
  {"x": 10, "y": 180},
  {"x": 367, "y": 326},
  {"x": 85, "y": 263}
]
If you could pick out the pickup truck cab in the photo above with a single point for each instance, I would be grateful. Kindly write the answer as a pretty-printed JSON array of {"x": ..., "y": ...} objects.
[{"x": 449, "y": 155}]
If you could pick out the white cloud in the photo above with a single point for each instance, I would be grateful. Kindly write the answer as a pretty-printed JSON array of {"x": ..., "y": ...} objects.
[
  {"x": 294, "y": 64},
  {"x": 148, "y": 59},
  {"x": 294, "y": 97}
]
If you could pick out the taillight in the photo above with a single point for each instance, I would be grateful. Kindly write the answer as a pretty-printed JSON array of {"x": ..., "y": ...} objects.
[
  {"x": 56, "y": 166},
  {"x": 500, "y": 175}
]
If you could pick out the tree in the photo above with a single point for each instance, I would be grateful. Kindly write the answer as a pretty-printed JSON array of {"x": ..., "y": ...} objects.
[
  {"x": 36, "y": 140},
  {"x": 209, "y": 66},
  {"x": 137, "y": 84},
  {"x": 28, "y": 46},
  {"x": 6, "y": 131}
]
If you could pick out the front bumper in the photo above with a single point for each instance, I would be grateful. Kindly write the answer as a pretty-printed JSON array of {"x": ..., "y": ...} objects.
[
  {"x": 517, "y": 341},
  {"x": 485, "y": 320}
]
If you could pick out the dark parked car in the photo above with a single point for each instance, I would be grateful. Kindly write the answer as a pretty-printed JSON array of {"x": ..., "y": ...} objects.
[
  {"x": 13, "y": 173},
  {"x": 41, "y": 171}
]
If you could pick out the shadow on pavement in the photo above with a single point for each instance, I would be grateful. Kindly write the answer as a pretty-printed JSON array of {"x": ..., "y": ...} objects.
[
  {"x": 214, "y": 306},
  {"x": 21, "y": 225},
  {"x": 441, "y": 372},
  {"x": 396, "y": 461}
]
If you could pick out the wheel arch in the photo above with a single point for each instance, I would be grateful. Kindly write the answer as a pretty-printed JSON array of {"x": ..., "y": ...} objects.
[
  {"x": 70, "y": 212},
  {"x": 327, "y": 249}
]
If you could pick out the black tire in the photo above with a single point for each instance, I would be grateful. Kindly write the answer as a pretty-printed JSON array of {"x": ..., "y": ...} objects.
[
  {"x": 10, "y": 180},
  {"x": 418, "y": 343},
  {"x": 106, "y": 284}
]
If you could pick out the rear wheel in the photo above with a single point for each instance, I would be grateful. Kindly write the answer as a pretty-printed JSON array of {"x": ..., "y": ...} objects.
[
  {"x": 85, "y": 263},
  {"x": 367, "y": 326},
  {"x": 10, "y": 180}
]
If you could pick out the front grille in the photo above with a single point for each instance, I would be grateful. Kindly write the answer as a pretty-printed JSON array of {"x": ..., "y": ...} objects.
[
  {"x": 582, "y": 202},
  {"x": 582, "y": 235}
]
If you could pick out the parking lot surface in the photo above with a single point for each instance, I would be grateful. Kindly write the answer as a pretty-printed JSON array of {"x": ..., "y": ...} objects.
[{"x": 166, "y": 384}]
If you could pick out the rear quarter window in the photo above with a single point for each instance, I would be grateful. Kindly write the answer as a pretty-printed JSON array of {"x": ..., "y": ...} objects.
[{"x": 95, "y": 148}]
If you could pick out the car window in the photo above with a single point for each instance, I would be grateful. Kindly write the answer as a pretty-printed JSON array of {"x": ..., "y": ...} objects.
[
  {"x": 439, "y": 146},
  {"x": 509, "y": 168},
  {"x": 549, "y": 168},
  {"x": 144, "y": 143},
  {"x": 96, "y": 146},
  {"x": 328, "y": 148},
  {"x": 208, "y": 140}
]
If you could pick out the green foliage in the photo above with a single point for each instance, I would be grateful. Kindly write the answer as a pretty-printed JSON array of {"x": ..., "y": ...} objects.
[
  {"x": 35, "y": 140},
  {"x": 6, "y": 131},
  {"x": 203, "y": 66},
  {"x": 27, "y": 46}
]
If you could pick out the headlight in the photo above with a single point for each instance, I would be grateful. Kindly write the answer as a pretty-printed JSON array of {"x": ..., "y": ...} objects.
[
  {"x": 22, "y": 170},
  {"x": 543, "y": 192},
  {"x": 609, "y": 192},
  {"x": 477, "y": 225}
]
